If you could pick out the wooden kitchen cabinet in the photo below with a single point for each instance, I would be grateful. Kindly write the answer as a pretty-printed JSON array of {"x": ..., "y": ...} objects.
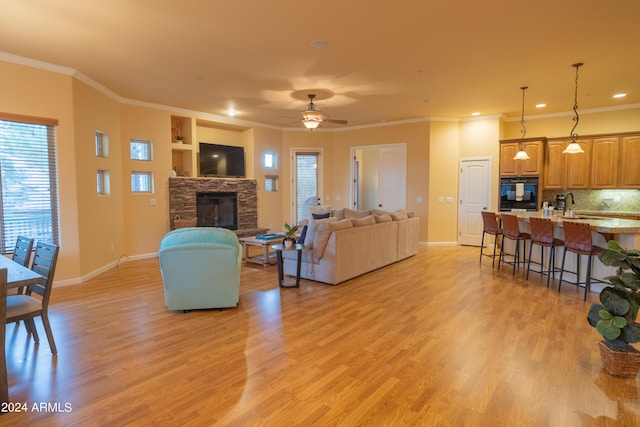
[
  {"x": 604, "y": 164},
  {"x": 566, "y": 171},
  {"x": 531, "y": 167},
  {"x": 554, "y": 164},
  {"x": 629, "y": 161}
]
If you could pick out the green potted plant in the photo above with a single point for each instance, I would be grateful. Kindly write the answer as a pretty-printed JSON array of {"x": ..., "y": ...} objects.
[
  {"x": 615, "y": 317},
  {"x": 289, "y": 235}
]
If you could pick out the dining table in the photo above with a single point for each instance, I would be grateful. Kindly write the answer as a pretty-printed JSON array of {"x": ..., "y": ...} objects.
[{"x": 17, "y": 276}]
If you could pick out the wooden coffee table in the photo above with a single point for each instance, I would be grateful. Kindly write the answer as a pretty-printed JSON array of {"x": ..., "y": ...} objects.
[{"x": 266, "y": 257}]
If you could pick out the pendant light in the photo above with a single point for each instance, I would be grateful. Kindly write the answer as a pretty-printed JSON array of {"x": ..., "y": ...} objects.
[
  {"x": 522, "y": 155},
  {"x": 574, "y": 147}
]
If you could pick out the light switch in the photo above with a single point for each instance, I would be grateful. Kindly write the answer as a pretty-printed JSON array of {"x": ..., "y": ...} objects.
[
  {"x": 153, "y": 202},
  {"x": 440, "y": 199},
  {"x": 449, "y": 199},
  {"x": 419, "y": 199},
  {"x": 337, "y": 197}
]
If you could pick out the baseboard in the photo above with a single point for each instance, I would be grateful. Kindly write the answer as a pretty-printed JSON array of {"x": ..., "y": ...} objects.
[
  {"x": 439, "y": 244},
  {"x": 84, "y": 278}
]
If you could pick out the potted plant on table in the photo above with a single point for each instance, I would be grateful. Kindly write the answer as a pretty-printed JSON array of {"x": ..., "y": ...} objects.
[
  {"x": 289, "y": 235},
  {"x": 615, "y": 317}
]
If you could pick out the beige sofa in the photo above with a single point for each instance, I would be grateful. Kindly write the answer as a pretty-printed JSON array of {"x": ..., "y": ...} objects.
[{"x": 351, "y": 243}]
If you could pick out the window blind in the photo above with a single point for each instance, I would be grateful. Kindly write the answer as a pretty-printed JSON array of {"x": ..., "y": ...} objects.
[{"x": 28, "y": 178}]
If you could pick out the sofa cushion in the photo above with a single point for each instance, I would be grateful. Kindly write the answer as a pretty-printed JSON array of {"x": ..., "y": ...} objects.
[
  {"x": 350, "y": 213},
  {"x": 383, "y": 218},
  {"x": 380, "y": 212},
  {"x": 338, "y": 213},
  {"x": 313, "y": 229},
  {"x": 399, "y": 215},
  {"x": 324, "y": 232},
  {"x": 365, "y": 220}
]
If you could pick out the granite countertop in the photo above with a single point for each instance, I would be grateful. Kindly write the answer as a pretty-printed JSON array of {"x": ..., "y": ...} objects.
[
  {"x": 599, "y": 223},
  {"x": 623, "y": 215}
]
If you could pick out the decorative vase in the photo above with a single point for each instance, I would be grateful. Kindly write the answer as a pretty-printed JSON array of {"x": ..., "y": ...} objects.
[
  {"x": 288, "y": 242},
  {"x": 620, "y": 360}
]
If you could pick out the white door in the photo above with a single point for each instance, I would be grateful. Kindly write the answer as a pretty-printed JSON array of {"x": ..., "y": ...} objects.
[
  {"x": 379, "y": 177},
  {"x": 392, "y": 178},
  {"x": 475, "y": 197}
]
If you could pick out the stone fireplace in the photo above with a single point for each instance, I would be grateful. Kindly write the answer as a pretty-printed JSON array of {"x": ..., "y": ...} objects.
[{"x": 183, "y": 202}]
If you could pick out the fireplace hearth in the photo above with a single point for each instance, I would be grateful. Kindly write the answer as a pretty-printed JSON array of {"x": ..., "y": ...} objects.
[{"x": 217, "y": 210}]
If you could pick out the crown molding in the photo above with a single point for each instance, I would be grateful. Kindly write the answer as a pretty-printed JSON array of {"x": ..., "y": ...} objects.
[{"x": 571, "y": 113}]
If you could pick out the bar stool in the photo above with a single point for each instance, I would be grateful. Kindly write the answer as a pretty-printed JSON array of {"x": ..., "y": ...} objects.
[
  {"x": 490, "y": 226},
  {"x": 577, "y": 239},
  {"x": 511, "y": 230},
  {"x": 542, "y": 235}
]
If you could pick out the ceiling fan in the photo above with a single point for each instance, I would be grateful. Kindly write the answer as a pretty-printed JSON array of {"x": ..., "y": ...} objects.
[{"x": 312, "y": 118}]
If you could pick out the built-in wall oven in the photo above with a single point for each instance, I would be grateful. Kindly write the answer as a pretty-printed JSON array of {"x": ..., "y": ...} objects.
[{"x": 519, "y": 194}]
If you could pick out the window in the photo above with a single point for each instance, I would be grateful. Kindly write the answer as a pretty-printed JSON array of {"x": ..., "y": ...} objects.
[
  {"x": 141, "y": 182},
  {"x": 28, "y": 178},
  {"x": 271, "y": 182},
  {"x": 103, "y": 183},
  {"x": 270, "y": 160},
  {"x": 102, "y": 144},
  {"x": 140, "y": 149}
]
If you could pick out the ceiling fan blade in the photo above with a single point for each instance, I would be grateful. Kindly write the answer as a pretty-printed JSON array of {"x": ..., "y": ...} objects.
[{"x": 338, "y": 122}]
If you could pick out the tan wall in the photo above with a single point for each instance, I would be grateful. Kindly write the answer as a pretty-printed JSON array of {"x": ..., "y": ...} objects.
[
  {"x": 444, "y": 145},
  {"x": 146, "y": 215},
  {"x": 270, "y": 204},
  {"x": 34, "y": 92},
  {"x": 100, "y": 217}
]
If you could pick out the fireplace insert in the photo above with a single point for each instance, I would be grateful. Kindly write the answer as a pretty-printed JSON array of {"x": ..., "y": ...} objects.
[{"x": 217, "y": 210}]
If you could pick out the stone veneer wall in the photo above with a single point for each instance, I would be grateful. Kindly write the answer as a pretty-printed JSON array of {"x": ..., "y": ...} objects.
[{"x": 182, "y": 198}]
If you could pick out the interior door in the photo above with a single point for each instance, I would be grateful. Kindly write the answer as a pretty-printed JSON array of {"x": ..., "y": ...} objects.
[
  {"x": 475, "y": 197},
  {"x": 379, "y": 176},
  {"x": 393, "y": 175}
]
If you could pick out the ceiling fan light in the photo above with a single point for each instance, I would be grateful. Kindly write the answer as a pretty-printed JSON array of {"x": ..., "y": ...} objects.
[
  {"x": 521, "y": 155},
  {"x": 310, "y": 123},
  {"x": 312, "y": 115},
  {"x": 573, "y": 148}
]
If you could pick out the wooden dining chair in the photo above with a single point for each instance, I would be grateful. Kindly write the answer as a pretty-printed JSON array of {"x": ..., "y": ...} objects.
[
  {"x": 22, "y": 251},
  {"x": 27, "y": 307},
  {"x": 22, "y": 255},
  {"x": 4, "y": 383}
]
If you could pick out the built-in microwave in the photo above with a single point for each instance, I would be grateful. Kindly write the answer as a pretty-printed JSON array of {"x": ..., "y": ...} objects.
[{"x": 519, "y": 194}]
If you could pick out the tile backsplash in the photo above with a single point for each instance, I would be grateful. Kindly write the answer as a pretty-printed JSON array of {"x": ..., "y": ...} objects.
[{"x": 599, "y": 200}]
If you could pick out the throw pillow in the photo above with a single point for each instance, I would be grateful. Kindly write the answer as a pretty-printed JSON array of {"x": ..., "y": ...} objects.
[
  {"x": 323, "y": 234},
  {"x": 320, "y": 216},
  {"x": 350, "y": 213},
  {"x": 313, "y": 229},
  {"x": 367, "y": 220},
  {"x": 303, "y": 234},
  {"x": 383, "y": 218},
  {"x": 323, "y": 209}
]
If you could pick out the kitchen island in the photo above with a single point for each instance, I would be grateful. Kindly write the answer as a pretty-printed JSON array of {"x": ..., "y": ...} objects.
[{"x": 604, "y": 228}]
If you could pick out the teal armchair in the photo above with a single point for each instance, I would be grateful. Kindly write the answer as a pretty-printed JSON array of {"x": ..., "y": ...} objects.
[{"x": 200, "y": 268}]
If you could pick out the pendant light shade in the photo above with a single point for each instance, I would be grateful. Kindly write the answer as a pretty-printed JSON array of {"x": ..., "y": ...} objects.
[
  {"x": 574, "y": 147},
  {"x": 521, "y": 154}
]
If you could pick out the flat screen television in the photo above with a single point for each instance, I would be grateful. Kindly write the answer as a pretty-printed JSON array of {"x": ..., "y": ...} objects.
[{"x": 221, "y": 160}]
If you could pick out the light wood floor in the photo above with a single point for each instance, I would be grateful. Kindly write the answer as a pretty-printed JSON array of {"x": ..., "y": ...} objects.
[{"x": 435, "y": 340}]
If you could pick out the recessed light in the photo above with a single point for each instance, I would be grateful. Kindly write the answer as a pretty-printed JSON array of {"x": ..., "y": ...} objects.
[
  {"x": 231, "y": 112},
  {"x": 319, "y": 44},
  {"x": 475, "y": 113},
  {"x": 541, "y": 105},
  {"x": 619, "y": 95}
]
